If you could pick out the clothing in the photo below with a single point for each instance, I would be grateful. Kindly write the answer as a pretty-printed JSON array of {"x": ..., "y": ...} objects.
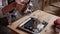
[
  {"x": 4, "y": 30},
  {"x": 3, "y": 26},
  {"x": 4, "y": 21}
]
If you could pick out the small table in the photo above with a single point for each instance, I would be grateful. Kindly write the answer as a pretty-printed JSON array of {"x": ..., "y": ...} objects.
[{"x": 49, "y": 18}]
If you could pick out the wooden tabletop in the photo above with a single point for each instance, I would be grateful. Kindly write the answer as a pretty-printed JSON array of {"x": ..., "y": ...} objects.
[{"x": 49, "y": 18}]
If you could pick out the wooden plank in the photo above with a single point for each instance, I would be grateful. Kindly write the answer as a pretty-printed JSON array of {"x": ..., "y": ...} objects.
[
  {"x": 56, "y": 4},
  {"x": 47, "y": 2},
  {"x": 43, "y": 5},
  {"x": 50, "y": 2}
]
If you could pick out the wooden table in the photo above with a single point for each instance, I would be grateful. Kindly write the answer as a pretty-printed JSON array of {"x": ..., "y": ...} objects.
[{"x": 49, "y": 18}]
